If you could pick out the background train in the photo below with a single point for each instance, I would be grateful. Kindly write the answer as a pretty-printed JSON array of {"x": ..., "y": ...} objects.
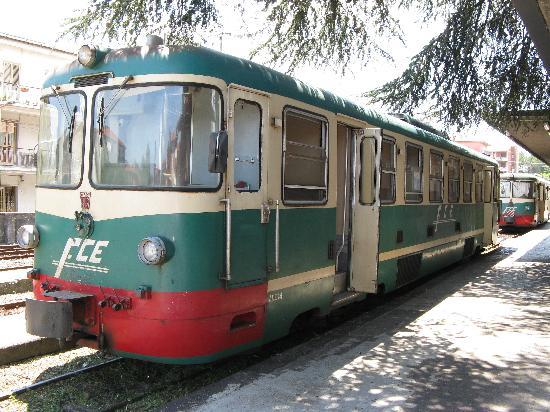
[
  {"x": 191, "y": 204},
  {"x": 524, "y": 200}
]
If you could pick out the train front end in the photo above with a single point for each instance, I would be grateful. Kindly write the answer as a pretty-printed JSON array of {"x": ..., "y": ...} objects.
[
  {"x": 517, "y": 208},
  {"x": 129, "y": 234}
]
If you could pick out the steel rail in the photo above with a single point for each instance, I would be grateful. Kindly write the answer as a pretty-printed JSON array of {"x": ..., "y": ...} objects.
[{"x": 56, "y": 379}]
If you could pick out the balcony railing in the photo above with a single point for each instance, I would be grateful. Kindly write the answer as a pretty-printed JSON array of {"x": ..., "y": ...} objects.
[
  {"x": 25, "y": 158},
  {"x": 17, "y": 94}
]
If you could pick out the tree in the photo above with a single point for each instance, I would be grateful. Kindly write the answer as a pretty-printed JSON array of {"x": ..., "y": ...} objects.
[{"x": 483, "y": 65}]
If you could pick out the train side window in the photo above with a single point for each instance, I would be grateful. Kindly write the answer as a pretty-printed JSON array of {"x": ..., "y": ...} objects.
[
  {"x": 413, "y": 174},
  {"x": 479, "y": 184},
  {"x": 247, "y": 160},
  {"x": 436, "y": 176},
  {"x": 468, "y": 178},
  {"x": 304, "y": 158},
  {"x": 454, "y": 180},
  {"x": 487, "y": 187},
  {"x": 496, "y": 185},
  {"x": 387, "y": 171}
]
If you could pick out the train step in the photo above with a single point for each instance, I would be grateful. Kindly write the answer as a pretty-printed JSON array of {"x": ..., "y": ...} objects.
[{"x": 345, "y": 298}]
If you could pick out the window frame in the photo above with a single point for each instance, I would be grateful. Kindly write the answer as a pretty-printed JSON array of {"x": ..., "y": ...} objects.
[
  {"x": 479, "y": 171},
  {"x": 449, "y": 179},
  {"x": 464, "y": 181},
  {"x": 260, "y": 154},
  {"x": 393, "y": 142},
  {"x": 325, "y": 137},
  {"x": 421, "y": 157},
  {"x": 442, "y": 178},
  {"x": 84, "y": 131},
  {"x": 149, "y": 188}
]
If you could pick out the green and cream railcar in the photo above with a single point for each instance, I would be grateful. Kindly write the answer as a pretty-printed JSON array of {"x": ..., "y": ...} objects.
[
  {"x": 525, "y": 200},
  {"x": 321, "y": 202}
]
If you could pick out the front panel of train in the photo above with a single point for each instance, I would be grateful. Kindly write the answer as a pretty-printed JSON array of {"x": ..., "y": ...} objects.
[
  {"x": 517, "y": 204},
  {"x": 129, "y": 231}
]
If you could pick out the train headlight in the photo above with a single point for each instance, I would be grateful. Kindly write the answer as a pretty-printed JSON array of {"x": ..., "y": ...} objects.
[
  {"x": 87, "y": 56},
  {"x": 28, "y": 236},
  {"x": 151, "y": 250}
]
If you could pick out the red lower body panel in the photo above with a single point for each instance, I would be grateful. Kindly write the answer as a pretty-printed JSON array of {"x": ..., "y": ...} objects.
[
  {"x": 166, "y": 324},
  {"x": 518, "y": 220}
]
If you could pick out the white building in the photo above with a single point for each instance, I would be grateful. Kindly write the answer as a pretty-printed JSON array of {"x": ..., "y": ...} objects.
[{"x": 23, "y": 68}]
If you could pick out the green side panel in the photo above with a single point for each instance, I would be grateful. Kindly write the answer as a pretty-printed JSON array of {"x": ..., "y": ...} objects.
[
  {"x": 197, "y": 238},
  {"x": 248, "y": 248},
  {"x": 196, "y": 248},
  {"x": 437, "y": 258},
  {"x": 387, "y": 274},
  {"x": 286, "y": 304},
  {"x": 414, "y": 221},
  {"x": 520, "y": 208},
  {"x": 196, "y": 360},
  {"x": 305, "y": 234}
]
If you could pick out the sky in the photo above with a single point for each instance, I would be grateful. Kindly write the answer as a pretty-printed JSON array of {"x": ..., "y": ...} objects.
[{"x": 42, "y": 20}]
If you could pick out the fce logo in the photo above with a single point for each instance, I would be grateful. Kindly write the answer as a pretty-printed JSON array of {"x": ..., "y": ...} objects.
[{"x": 84, "y": 251}]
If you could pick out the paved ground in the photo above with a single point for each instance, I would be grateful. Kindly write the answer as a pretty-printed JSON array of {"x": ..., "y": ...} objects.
[{"x": 474, "y": 338}]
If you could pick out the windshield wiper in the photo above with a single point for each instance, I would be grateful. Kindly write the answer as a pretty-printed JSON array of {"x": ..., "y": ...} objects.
[
  {"x": 61, "y": 104},
  {"x": 71, "y": 130},
  {"x": 104, "y": 110}
]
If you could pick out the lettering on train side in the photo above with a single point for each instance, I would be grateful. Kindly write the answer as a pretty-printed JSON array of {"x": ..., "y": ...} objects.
[
  {"x": 274, "y": 297},
  {"x": 446, "y": 217},
  {"x": 83, "y": 254}
]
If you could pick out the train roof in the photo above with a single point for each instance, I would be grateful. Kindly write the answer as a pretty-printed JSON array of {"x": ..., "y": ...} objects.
[
  {"x": 208, "y": 62},
  {"x": 524, "y": 176}
]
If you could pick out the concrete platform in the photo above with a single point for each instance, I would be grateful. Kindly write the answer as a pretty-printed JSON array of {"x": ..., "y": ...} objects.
[
  {"x": 475, "y": 338},
  {"x": 15, "y": 343}
]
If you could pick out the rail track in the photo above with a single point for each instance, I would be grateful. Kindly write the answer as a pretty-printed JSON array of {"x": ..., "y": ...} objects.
[
  {"x": 11, "y": 252},
  {"x": 58, "y": 378}
]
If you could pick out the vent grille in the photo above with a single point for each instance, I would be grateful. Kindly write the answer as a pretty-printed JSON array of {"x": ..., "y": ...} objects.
[
  {"x": 91, "y": 80},
  {"x": 408, "y": 269}
]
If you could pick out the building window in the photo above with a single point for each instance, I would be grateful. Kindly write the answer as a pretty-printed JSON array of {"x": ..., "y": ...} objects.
[
  {"x": 468, "y": 177},
  {"x": 413, "y": 174},
  {"x": 436, "y": 177},
  {"x": 454, "y": 179},
  {"x": 8, "y": 142},
  {"x": 10, "y": 73},
  {"x": 248, "y": 123},
  {"x": 479, "y": 184},
  {"x": 387, "y": 172},
  {"x": 304, "y": 158},
  {"x": 7, "y": 199}
]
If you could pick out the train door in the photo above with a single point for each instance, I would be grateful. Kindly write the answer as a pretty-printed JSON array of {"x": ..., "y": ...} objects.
[
  {"x": 246, "y": 187},
  {"x": 490, "y": 206},
  {"x": 365, "y": 210}
]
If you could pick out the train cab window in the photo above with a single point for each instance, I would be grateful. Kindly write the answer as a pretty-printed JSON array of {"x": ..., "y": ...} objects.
[
  {"x": 479, "y": 184},
  {"x": 247, "y": 117},
  {"x": 304, "y": 158},
  {"x": 522, "y": 189},
  {"x": 61, "y": 140},
  {"x": 387, "y": 171},
  {"x": 467, "y": 183},
  {"x": 454, "y": 179},
  {"x": 436, "y": 177},
  {"x": 413, "y": 174},
  {"x": 155, "y": 136}
]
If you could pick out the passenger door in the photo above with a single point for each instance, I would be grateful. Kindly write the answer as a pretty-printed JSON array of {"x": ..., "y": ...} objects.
[
  {"x": 246, "y": 186},
  {"x": 366, "y": 210}
]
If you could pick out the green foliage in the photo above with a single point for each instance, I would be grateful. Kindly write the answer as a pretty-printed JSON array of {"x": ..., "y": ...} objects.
[
  {"x": 126, "y": 20},
  {"x": 483, "y": 65},
  {"x": 530, "y": 164}
]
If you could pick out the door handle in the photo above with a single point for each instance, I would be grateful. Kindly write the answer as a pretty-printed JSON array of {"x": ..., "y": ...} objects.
[{"x": 227, "y": 275}]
